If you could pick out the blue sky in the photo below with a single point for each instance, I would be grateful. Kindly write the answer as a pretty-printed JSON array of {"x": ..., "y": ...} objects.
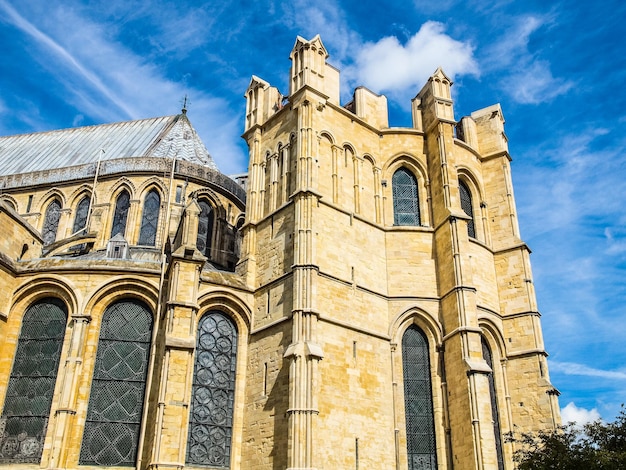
[{"x": 557, "y": 68}]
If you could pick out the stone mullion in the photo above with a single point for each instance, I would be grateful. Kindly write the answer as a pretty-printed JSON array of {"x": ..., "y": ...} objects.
[
  {"x": 335, "y": 177},
  {"x": 284, "y": 176},
  {"x": 274, "y": 180},
  {"x": 377, "y": 195},
  {"x": 133, "y": 222},
  {"x": 65, "y": 226},
  {"x": 357, "y": 184},
  {"x": 64, "y": 414}
]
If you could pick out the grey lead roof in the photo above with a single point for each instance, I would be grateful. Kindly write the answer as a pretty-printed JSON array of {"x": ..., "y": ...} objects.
[{"x": 165, "y": 137}]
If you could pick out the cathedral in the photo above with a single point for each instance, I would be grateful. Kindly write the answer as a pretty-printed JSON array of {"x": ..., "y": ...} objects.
[{"x": 360, "y": 299}]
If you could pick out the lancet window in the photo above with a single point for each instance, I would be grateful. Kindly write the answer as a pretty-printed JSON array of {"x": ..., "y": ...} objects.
[
  {"x": 82, "y": 212},
  {"x": 494, "y": 404},
  {"x": 122, "y": 206},
  {"x": 205, "y": 228},
  {"x": 466, "y": 205},
  {"x": 111, "y": 435},
  {"x": 418, "y": 401},
  {"x": 150, "y": 218},
  {"x": 27, "y": 404},
  {"x": 406, "y": 210},
  {"x": 51, "y": 222},
  {"x": 213, "y": 392}
]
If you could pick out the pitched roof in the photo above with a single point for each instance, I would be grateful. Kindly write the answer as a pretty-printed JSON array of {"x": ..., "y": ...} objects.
[{"x": 165, "y": 137}]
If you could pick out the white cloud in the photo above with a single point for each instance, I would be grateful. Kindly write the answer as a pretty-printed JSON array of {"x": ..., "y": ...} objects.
[
  {"x": 387, "y": 66},
  {"x": 580, "y": 416}
]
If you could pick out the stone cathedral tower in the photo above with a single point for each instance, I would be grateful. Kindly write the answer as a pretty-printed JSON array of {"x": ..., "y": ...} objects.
[
  {"x": 364, "y": 303},
  {"x": 395, "y": 318}
]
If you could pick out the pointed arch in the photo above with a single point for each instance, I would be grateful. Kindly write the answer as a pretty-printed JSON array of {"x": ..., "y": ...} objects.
[
  {"x": 150, "y": 218},
  {"x": 467, "y": 207},
  {"x": 81, "y": 214},
  {"x": 418, "y": 400},
  {"x": 406, "y": 206},
  {"x": 51, "y": 221},
  {"x": 120, "y": 216},
  {"x": 206, "y": 222},
  {"x": 33, "y": 377}
]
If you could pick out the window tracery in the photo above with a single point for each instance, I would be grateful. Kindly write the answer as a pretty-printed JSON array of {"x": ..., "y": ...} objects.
[
  {"x": 51, "y": 222},
  {"x": 28, "y": 400},
  {"x": 213, "y": 392},
  {"x": 113, "y": 422}
]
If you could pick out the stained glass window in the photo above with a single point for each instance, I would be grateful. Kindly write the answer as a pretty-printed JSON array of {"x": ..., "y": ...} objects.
[
  {"x": 150, "y": 218},
  {"x": 82, "y": 211},
  {"x": 111, "y": 433},
  {"x": 466, "y": 205},
  {"x": 494, "y": 404},
  {"x": 406, "y": 209},
  {"x": 29, "y": 394},
  {"x": 51, "y": 222},
  {"x": 213, "y": 393},
  {"x": 205, "y": 228},
  {"x": 122, "y": 205},
  {"x": 418, "y": 401}
]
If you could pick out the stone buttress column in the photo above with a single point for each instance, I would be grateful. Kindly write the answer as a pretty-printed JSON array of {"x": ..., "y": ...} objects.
[
  {"x": 64, "y": 415},
  {"x": 168, "y": 449},
  {"x": 303, "y": 354},
  {"x": 471, "y": 425}
]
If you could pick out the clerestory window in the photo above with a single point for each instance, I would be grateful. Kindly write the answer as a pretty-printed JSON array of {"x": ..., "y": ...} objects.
[
  {"x": 82, "y": 212},
  {"x": 205, "y": 228},
  {"x": 406, "y": 210},
  {"x": 51, "y": 222},
  {"x": 150, "y": 218},
  {"x": 122, "y": 206},
  {"x": 466, "y": 205}
]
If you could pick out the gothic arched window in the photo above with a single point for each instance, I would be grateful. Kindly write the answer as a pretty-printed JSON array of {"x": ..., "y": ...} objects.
[
  {"x": 122, "y": 205},
  {"x": 494, "y": 404},
  {"x": 205, "y": 228},
  {"x": 29, "y": 394},
  {"x": 418, "y": 401},
  {"x": 82, "y": 211},
  {"x": 111, "y": 433},
  {"x": 150, "y": 218},
  {"x": 51, "y": 222},
  {"x": 213, "y": 392},
  {"x": 406, "y": 210},
  {"x": 466, "y": 205}
]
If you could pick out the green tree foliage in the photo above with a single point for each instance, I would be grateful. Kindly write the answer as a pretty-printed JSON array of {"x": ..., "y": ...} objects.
[{"x": 595, "y": 446}]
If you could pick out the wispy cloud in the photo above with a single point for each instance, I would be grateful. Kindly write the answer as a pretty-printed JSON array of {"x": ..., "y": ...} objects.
[
  {"x": 572, "y": 368},
  {"x": 108, "y": 82},
  {"x": 526, "y": 77}
]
